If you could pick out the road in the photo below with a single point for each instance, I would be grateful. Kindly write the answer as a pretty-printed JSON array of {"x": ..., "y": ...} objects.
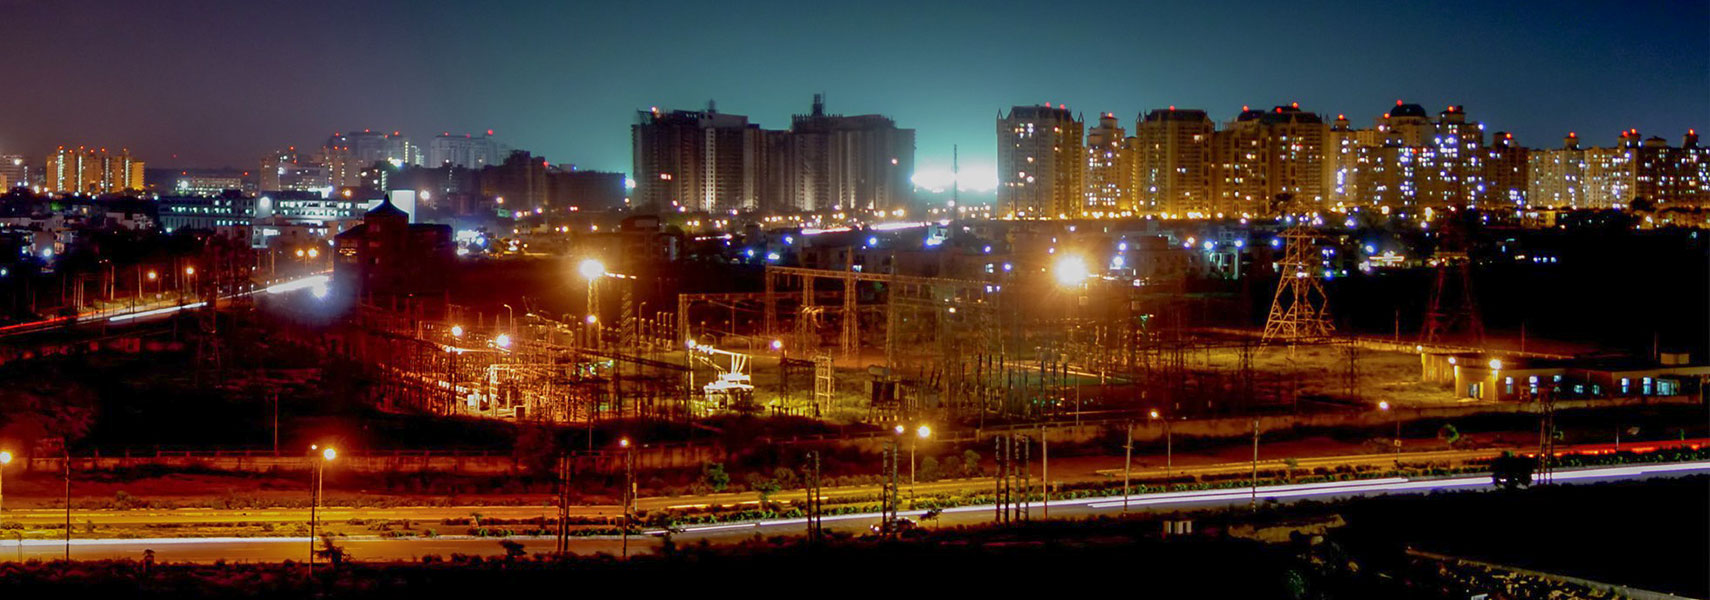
[
  {"x": 51, "y": 517},
  {"x": 428, "y": 515},
  {"x": 275, "y": 549}
]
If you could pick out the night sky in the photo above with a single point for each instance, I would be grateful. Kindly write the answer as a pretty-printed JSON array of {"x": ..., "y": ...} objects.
[{"x": 217, "y": 83}]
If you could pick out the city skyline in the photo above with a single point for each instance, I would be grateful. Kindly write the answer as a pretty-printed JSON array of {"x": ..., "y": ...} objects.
[{"x": 1579, "y": 68}]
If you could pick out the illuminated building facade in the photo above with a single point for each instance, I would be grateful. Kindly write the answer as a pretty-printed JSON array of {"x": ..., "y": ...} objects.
[
  {"x": 1556, "y": 177},
  {"x": 14, "y": 171},
  {"x": 1041, "y": 163},
  {"x": 465, "y": 151},
  {"x": 91, "y": 171},
  {"x": 1109, "y": 177},
  {"x": 1262, "y": 157},
  {"x": 697, "y": 160},
  {"x": 860, "y": 162},
  {"x": 1172, "y": 153}
]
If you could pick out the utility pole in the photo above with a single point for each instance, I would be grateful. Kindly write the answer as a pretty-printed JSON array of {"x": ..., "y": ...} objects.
[
  {"x": 628, "y": 491},
  {"x": 1253, "y": 503},
  {"x": 813, "y": 498},
  {"x": 563, "y": 503},
  {"x": 67, "y": 503},
  {"x": 1044, "y": 474},
  {"x": 1127, "y": 462}
]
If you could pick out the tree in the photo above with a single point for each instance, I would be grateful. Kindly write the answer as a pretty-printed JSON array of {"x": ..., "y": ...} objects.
[
  {"x": 332, "y": 553},
  {"x": 970, "y": 463},
  {"x": 1510, "y": 472},
  {"x": 929, "y": 470},
  {"x": 785, "y": 476},
  {"x": 536, "y": 448},
  {"x": 513, "y": 549},
  {"x": 713, "y": 475},
  {"x": 1449, "y": 434}
]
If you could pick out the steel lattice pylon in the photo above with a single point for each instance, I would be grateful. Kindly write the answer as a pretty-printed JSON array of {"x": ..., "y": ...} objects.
[{"x": 1300, "y": 310}]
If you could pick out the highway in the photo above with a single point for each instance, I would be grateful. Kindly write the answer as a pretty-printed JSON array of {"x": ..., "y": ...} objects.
[{"x": 275, "y": 549}]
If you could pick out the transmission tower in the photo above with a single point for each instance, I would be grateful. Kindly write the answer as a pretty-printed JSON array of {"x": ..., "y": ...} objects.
[
  {"x": 1452, "y": 307},
  {"x": 1300, "y": 310}
]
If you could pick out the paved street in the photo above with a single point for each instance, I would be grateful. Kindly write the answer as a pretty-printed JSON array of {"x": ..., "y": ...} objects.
[{"x": 269, "y": 549}]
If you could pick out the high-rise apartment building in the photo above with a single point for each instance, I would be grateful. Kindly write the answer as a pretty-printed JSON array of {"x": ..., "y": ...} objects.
[
  {"x": 289, "y": 170},
  {"x": 1265, "y": 157},
  {"x": 465, "y": 151},
  {"x": 697, "y": 160},
  {"x": 1041, "y": 163},
  {"x": 847, "y": 163},
  {"x": 1507, "y": 173},
  {"x": 367, "y": 147},
  {"x": 91, "y": 171},
  {"x": 1172, "y": 153},
  {"x": 14, "y": 171},
  {"x": 1556, "y": 177},
  {"x": 1109, "y": 176},
  {"x": 1635, "y": 169}
]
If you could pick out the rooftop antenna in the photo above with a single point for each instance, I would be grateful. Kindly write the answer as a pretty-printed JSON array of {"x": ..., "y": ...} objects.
[
  {"x": 955, "y": 175},
  {"x": 819, "y": 104}
]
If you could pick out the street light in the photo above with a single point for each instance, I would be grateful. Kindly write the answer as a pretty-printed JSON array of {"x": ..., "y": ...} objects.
[
  {"x": 327, "y": 455},
  {"x": 5, "y": 459},
  {"x": 628, "y": 489},
  {"x": 456, "y": 331},
  {"x": 1070, "y": 270},
  {"x": 1384, "y": 406},
  {"x": 503, "y": 341},
  {"x": 592, "y": 270}
]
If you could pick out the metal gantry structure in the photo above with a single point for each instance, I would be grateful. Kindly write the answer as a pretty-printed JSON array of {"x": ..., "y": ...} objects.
[{"x": 1300, "y": 311}]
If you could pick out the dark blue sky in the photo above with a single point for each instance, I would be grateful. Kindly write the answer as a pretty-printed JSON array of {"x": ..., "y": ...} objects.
[{"x": 220, "y": 82}]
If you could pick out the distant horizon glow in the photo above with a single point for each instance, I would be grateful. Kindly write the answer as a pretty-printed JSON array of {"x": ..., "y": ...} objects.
[{"x": 979, "y": 177}]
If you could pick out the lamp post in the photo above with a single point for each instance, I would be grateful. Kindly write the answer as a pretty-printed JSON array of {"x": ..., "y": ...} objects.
[
  {"x": 5, "y": 459},
  {"x": 920, "y": 433},
  {"x": 783, "y": 375},
  {"x": 326, "y": 455},
  {"x": 592, "y": 270},
  {"x": 1385, "y": 407},
  {"x": 628, "y": 489},
  {"x": 1128, "y": 459}
]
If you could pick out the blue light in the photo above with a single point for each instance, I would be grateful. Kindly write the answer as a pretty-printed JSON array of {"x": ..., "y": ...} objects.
[
  {"x": 1209, "y": 245},
  {"x": 988, "y": 249},
  {"x": 749, "y": 252},
  {"x": 1240, "y": 243},
  {"x": 789, "y": 239},
  {"x": 772, "y": 256},
  {"x": 1276, "y": 242},
  {"x": 873, "y": 241}
]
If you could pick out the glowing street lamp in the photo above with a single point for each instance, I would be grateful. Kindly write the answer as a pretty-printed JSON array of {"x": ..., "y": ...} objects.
[
  {"x": 1070, "y": 270},
  {"x": 1385, "y": 406},
  {"x": 5, "y": 459},
  {"x": 628, "y": 489},
  {"x": 503, "y": 340},
  {"x": 457, "y": 331},
  {"x": 591, "y": 269},
  {"x": 327, "y": 455}
]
